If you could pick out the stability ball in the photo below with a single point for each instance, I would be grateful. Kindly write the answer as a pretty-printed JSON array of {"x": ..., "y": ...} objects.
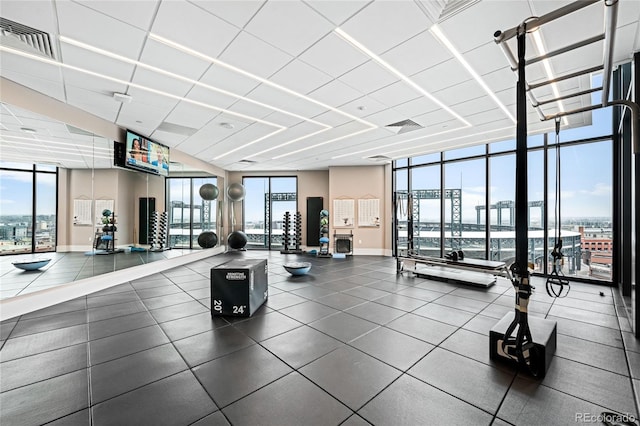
[
  {"x": 209, "y": 192},
  {"x": 207, "y": 239},
  {"x": 237, "y": 240},
  {"x": 236, "y": 192}
]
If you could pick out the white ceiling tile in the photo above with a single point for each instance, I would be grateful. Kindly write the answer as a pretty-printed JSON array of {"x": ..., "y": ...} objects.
[
  {"x": 441, "y": 76},
  {"x": 395, "y": 94},
  {"x": 253, "y": 110},
  {"x": 333, "y": 56},
  {"x": 92, "y": 83},
  {"x": 300, "y": 77},
  {"x": 189, "y": 25},
  {"x": 368, "y": 77},
  {"x": 486, "y": 117},
  {"x": 24, "y": 68},
  {"x": 170, "y": 139},
  {"x": 190, "y": 115},
  {"x": 99, "y": 104},
  {"x": 386, "y": 117},
  {"x": 208, "y": 97},
  {"x": 283, "y": 119},
  {"x": 251, "y": 54},
  {"x": 486, "y": 58},
  {"x": 626, "y": 43},
  {"x": 229, "y": 80},
  {"x": 235, "y": 12},
  {"x": 337, "y": 11},
  {"x": 155, "y": 103},
  {"x": 274, "y": 24},
  {"x": 138, "y": 13},
  {"x": 22, "y": 12},
  {"x": 274, "y": 96},
  {"x": 88, "y": 26},
  {"x": 416, "y": 54},
  {"x": 382, "y": 25},
  {"x": 174, "y": 61},
  {"x": 332, "y": 118},
  {"x": 416, "y": 107},
  {"x": 91, "y": 61},
  {"x": 439, "y": 118},
  {"x": 458, "y": 93},
  {"x": 161, "y": 82},
  {"x": 362, "y": 107},
  {"x": 335, "y": 94}
]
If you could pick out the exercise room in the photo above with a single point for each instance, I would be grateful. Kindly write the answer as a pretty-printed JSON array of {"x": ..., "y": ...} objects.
[{"x": 293, "y": 213}]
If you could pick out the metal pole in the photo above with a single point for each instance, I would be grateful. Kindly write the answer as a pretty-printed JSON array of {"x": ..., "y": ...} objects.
[
  {"x": 521, "y": 161},
  {"x": 566, "y": 49},
  {"x": 566, "y": 77},
  {"x": 610, "y": 22}
]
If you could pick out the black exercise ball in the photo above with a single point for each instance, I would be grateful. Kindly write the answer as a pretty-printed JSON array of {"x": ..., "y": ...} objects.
[
  {"x": 209, "y": 191},
  {"x": 237, "y": 240},
  {"x": 207, "y": 239}
]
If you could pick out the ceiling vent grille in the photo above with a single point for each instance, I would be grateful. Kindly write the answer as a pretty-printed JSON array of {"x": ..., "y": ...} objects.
[
  {"x": 379, "y": 158},
  {"x": 26, "y": 39},
  {"x": 78, "y": 131},
  {"x": 177, "y": 129},
  {"x": 441, "y": 10},
  {"x": 246, "y": 161},
  {"x": 405, "y": 126}
]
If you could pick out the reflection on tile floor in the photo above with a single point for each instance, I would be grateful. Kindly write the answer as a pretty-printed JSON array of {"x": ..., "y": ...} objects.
[
  {"x": 67, "y": 267},
  {"x": 351, "y": 343}
]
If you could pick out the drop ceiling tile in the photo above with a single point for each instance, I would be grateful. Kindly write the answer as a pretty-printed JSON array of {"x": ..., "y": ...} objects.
[
  {"x": 274, "y": 24},
  {"x": 333, "y": 56},
  {"x": 254, "y": 111},
  {"x": 190, "y": 26},
  {"x": 626, "y": 43},
  {"x": 385, "y": 24},
  {"x": 284, "y": 119},
  {"x": 502, "y": 79},
  {"x": 335, "y": 94},
  {"x": 368, "y": 77},
  {"x": 174, "y": 61},
  {"x": 136, "y": 13},
  {"x": 416, "y": 54},
  {"x": 441, "y": 76},
  {"x": 242, "y": 139},
  {"x": 209, "y": 97},
  {"x": 48, "y": 87},
  {"x": 20, "y": 65},
  {"x": 190, "y": 115},
  {"x": 88, "y": 26},
  {"x": 395, "y": 94},
  {"x": 235, "y": 12},
  {"x": 486, "y": 58},
  {"x": 337, "y": 12},
  {"x": 416, "y": 107},
  {"x": 386, "y": 117},
  {"x": 482, "y": 103},
  {"x": 148, "y": 105},
  {"x": 94, "y": 62},
  {"x": 486, "y": 116},
  {"x": 461, "y": 92},
  {"x": 160, "y": 82},
  {"x": 99, "y": 104},
  {"x": 167, "y": 138},
  {"x": 226, "y": 79},
  {"x": 92, "y": 82},
  {"x": 251, "y": 54},
  {"x": 332, "y": 118},
  {"x": 275, "y": 97},
  {"x": 363, "y": 107},
  {"x": 300, "y": 77}
]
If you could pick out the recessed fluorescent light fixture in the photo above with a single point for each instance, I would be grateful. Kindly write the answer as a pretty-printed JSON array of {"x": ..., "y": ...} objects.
[
  {"x": 437, "y": 33},
  {"x": 346, "y": 37}
]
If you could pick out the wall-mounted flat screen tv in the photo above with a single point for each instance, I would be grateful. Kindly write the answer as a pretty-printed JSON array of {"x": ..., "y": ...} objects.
[{"x": 146, "y": 155}]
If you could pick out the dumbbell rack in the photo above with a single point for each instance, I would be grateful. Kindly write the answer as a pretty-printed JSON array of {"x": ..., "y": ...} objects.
[
  {"x": 324, "y": 234},
  {"x": 297, "y": 234},
  {"x": 158, "y": 232}
]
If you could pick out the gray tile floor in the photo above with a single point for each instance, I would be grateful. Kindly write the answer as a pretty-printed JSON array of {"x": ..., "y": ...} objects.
[{"x": 352, "y": 343}]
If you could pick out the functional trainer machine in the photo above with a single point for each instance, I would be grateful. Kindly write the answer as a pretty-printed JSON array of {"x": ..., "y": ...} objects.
[{"x": 512, "y": 339}]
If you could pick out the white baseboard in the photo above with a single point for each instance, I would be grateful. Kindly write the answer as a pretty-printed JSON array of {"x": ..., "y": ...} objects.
[{"x": 23, "y": 304}]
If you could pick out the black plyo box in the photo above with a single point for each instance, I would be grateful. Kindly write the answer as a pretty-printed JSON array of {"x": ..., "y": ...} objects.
[{"x": 238, "y": 287}]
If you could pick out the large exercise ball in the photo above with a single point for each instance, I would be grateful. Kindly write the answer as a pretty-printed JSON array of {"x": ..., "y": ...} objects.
[
  {"x": 207, "y": 239},
  {"x": 209, "y": 192},
  {"x": 237, "y": 240},
  {"x": 235, "y": 192}
]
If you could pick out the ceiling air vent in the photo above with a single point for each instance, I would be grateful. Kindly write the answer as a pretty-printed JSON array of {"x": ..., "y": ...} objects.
[
  {"x": 165, "y": 126},
  {"x": 246, "y": 162},
  {"x": 26, "y": 39},
  {"x": 78, "y": 131},
  {"x": 441, "y": 10},
  {"x": 404, "y": 126},
  {"x": 379, "y": 158}
]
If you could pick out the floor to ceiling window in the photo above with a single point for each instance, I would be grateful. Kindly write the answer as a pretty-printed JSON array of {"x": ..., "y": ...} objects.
[
  {"x": 264, "y": 206},
  {"x": 28, "y": 211},
  {"x": 189, "y": 214}
]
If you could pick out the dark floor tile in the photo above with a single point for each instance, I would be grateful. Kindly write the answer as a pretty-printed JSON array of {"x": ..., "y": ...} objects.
[
  {"x": 271, "y": 324},
  {"x": 401, "y": 302},
  {"x": 33, "y": 344},
  {"x": 422, "y": 328},
  {"x": 50, "y": 322},
  {"x": 634, "y": 364},
  {"x": 375, "y": 312},
  {"x": 180, "y": 310},
  {"x": 355, "y": 420},
  {"x": 6, "y": 328},
  {"x": 396, "y": 349},
  {"x": 121, "y": 288},
  {"x": 110, "y": 327},
  {"x": 530, "y": 403},
  {"x": 236, "y": 375},
  {"x": 312, "y": 292},
  {"x": 166, "y": 301},
  {"x": 45, "y": 401},
  {"x": 31, "y": 369},
  {"x": 215, "y": 419},
  {"x": 388, "y": 286},
  {"x": 426, "y": 295},
  {"x": 478, "y": 384},
  {"x": 476, "y": 293},
  {"x": 124, "y": 374},
  {"x": 212, "y": 344},
  {"x": 301, "y": 345},
  {"x": 470, "y": 344},
  {"x": 177, "y": 399},
  {"x": 444, "y": 314},
  {"x": 462, "y": 303},
  {"x": 284, "y": 300},
  {"x": 79, "y": 304},
  {"x": 343, "y": 327},
  {"x": 308, "y": 311},
  {"x": 340, "y": 301},
  {"x": 367, "y": 293},
  {"x": 583, "y": 330},
  {"x": 594, "y": 354},
  {"x": 597, "y": 386},
  {"x": 192, "y": 325},
  {"x": 148, "y": 293},
  {"x": 346, "y": 374},
  {"x": 112, "y": 299},
  {"x": 291, "y": 400},
  {"x": 587, "y": 305},
  {"x": 79, "y": 418},
  {"x": 127, "y": 343},
  {"x": 409, "y": 401},
  {"x": 151, "y": 281},
  {"x": 114, "y": 311},
  {"x": 631, "y": 343},
  {"x": 589, "y": 317}
]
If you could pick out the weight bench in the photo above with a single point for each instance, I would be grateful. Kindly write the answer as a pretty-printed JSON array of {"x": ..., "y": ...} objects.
[{"x": 476, "y": 272}]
